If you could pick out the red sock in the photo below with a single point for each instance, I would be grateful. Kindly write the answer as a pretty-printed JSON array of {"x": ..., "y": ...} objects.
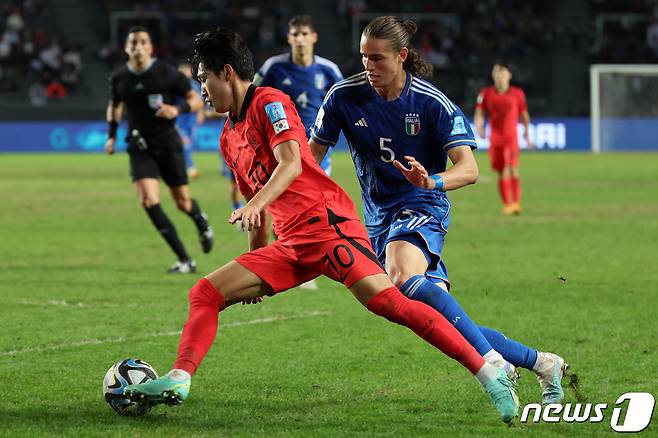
[
  {"x": 516, "y": 190},
  {"x": 505, "y": 189},
  {"x": 426, "y": 323},
  {"x": 201, "y": 327}
]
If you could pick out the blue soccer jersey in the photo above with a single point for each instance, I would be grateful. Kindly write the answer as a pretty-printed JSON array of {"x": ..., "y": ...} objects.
[
  {"x": 186, "y": 122},
  {"x": 306, "y": 86},
  {"x": 422, "y": 123}
]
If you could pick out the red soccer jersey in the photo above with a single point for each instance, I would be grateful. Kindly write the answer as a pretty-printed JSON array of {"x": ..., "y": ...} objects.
[
  {"x": 503, "y": 110},
  {"x": 268, "y": 118}
]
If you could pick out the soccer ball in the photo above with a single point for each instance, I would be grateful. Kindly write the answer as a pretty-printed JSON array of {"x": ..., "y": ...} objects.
[{"x": 118, "y": 377}]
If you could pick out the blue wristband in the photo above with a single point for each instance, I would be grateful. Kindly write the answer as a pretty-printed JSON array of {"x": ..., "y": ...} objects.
[{"x": 439, "y": 182}]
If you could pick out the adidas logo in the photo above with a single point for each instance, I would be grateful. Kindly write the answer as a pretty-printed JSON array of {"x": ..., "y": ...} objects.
[
  {"x": 139, "y": 86},
  {"x": 286, "y": 81},
  {"x": 361, "y": 122}
]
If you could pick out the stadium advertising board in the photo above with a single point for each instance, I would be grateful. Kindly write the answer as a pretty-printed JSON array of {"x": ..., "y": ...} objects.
[{"x": 550, "y": 134}]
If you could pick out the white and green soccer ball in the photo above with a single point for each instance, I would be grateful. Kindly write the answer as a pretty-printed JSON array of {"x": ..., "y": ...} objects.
[{"x": 117, "y": 379}]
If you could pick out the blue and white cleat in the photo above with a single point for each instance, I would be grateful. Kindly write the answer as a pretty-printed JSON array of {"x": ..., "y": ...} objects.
[
  {"x": 502, "y": 394},
  {"x": 550, "y": 369},
  {"x": 167, "y": 389}
]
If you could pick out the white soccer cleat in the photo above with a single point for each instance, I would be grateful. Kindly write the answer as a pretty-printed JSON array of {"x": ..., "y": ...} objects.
[
  {"x": 309, "y": 285},
  {"x": 550, "y": 368},
  {"x": 188, "y": 267}
]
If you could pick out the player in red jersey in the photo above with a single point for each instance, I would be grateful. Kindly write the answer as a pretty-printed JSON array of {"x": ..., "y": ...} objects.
[
  {"x": 319, "y": 233},
  {"x": 504, "y": 105}
]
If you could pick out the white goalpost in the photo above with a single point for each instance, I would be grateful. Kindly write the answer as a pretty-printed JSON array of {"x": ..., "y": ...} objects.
[{"x": 624, "y": 107}]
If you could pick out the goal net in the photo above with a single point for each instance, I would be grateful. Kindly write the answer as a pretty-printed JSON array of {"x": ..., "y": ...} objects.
[{"x": 624, "y": 107}]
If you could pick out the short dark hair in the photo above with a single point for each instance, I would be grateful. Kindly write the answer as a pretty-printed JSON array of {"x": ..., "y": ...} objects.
[
  {"x": 504, "y": 63},
  {"x": 301, "y": 20},
  {"x": 135, "y": 29},
  {"x": 218, "y": 47}
]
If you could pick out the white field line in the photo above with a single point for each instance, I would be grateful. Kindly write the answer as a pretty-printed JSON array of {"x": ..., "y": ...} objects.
[
  {"x": 64, "y": 303},
  {"x": 120, "y": 339}
]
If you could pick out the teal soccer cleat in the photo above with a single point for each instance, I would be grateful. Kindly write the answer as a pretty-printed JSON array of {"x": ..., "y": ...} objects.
[
  {"x": 166, "y": 389},
  {"x": 550, "y": 369},
  {"x": 503, "y": 396}
]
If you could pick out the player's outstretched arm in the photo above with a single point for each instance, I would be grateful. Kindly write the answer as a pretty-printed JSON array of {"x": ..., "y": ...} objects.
[
  {"x": 289, "y": 167},
  {"x": 463, "y": 172},
  {"x": 319, "y": 150}
]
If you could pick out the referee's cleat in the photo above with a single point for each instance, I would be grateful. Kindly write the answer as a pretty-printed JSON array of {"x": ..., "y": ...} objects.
[
  {"x": 503, "y": 396},
  {"x": 187, "y": 267},
  {"x": 167, "y": 389},
  {"x": 206, "y": 236},
  {"x": 550, "y": 369}
]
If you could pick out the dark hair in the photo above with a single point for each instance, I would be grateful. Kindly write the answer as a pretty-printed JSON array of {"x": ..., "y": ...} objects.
[
  {"x": 399, "y": 34},
  {"x": 135, "y": 29},
  {"x": 302, "y": 20},
  {"x": 218, "y": 47},
  {"x": 504, "y": 63}
]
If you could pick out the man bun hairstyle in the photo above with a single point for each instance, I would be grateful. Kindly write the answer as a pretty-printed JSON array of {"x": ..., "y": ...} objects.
[
  {"x": 399, "y": 33},
  {"x": 218, "y": 47}
]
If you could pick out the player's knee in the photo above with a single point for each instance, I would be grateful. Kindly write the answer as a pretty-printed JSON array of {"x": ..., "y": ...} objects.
[
  {"x": 184, "y": 204},
  {"x": 204, "y": 293},
  {"x": 398, "y": 275},
  {"x": 387, "y": 304},
  {"x": 149, "y": 201}
]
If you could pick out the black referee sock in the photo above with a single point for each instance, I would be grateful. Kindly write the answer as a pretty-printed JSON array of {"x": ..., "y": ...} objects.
[
  {"x": 168, "y": 231},
  {"x": 197, "y": 216}
]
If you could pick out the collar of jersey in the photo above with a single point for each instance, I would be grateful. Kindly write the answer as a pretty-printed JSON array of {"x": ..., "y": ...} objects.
[
  {"x": 405, "y": 91},
  {"x": 140, "y": 72},
  {"x": 245, "y": 104}
]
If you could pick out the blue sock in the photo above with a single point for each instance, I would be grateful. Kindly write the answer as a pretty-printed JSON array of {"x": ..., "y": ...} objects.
[
  {"x": 421, "y": 289},
  {"x": 513, "y": 351}
]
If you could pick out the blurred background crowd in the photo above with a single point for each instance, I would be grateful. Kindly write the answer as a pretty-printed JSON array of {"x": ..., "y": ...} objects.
[{"x": 63, "y": 50}]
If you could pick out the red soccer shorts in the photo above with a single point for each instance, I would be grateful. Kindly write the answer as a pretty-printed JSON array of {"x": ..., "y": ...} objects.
[
  {"x": 502, "y": 156},
  {"x": 341, "y": 251}
]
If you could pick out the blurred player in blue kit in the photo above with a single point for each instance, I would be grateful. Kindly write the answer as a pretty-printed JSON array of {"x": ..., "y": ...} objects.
[
  {"x": 300, "y": 74},
  {"x": 187, "y": 123},
  {"x": 389, "y": 116},
  {"x": 303, "y": 76}
]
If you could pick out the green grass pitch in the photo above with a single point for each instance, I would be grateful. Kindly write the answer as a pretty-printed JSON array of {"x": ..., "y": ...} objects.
[{"x": 82, "y": 285}]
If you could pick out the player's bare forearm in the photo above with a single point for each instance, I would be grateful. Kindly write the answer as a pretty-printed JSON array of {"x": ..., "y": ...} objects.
[
  {"x": 479, "y": 122},
  {"x": 194, "y": 101},
  {"x": 319, "y": 151},
  {"x": 525, "y": 119},
  {"x": 258, "y": 237},
  {"x": 114, "y": 111},
  {"x": 464, "y": 170},
  {"x": 290, "y": 167}
]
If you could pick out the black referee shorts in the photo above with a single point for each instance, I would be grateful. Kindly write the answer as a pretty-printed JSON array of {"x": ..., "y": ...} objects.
[{"x": 163, "y": 159}]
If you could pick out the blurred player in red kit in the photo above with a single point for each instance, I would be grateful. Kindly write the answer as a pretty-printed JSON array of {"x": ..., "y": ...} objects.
[
  {"x": 504, "y": 104},
  {"x": 319, "y": 232}
]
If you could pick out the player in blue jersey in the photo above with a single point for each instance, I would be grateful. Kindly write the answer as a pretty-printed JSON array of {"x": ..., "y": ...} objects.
[
  {"x": 187, "y": 123},
  {"x": 390, "y": 115},
  {"x": 303, "y": 76},
  {"x": 300, "y": 74}
]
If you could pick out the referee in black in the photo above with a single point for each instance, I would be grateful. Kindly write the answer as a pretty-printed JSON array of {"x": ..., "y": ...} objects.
[{"x": 146, "y": 88}]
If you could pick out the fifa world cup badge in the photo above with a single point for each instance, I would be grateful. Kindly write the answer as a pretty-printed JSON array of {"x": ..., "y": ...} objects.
[{"x": 412, "y": 124}]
